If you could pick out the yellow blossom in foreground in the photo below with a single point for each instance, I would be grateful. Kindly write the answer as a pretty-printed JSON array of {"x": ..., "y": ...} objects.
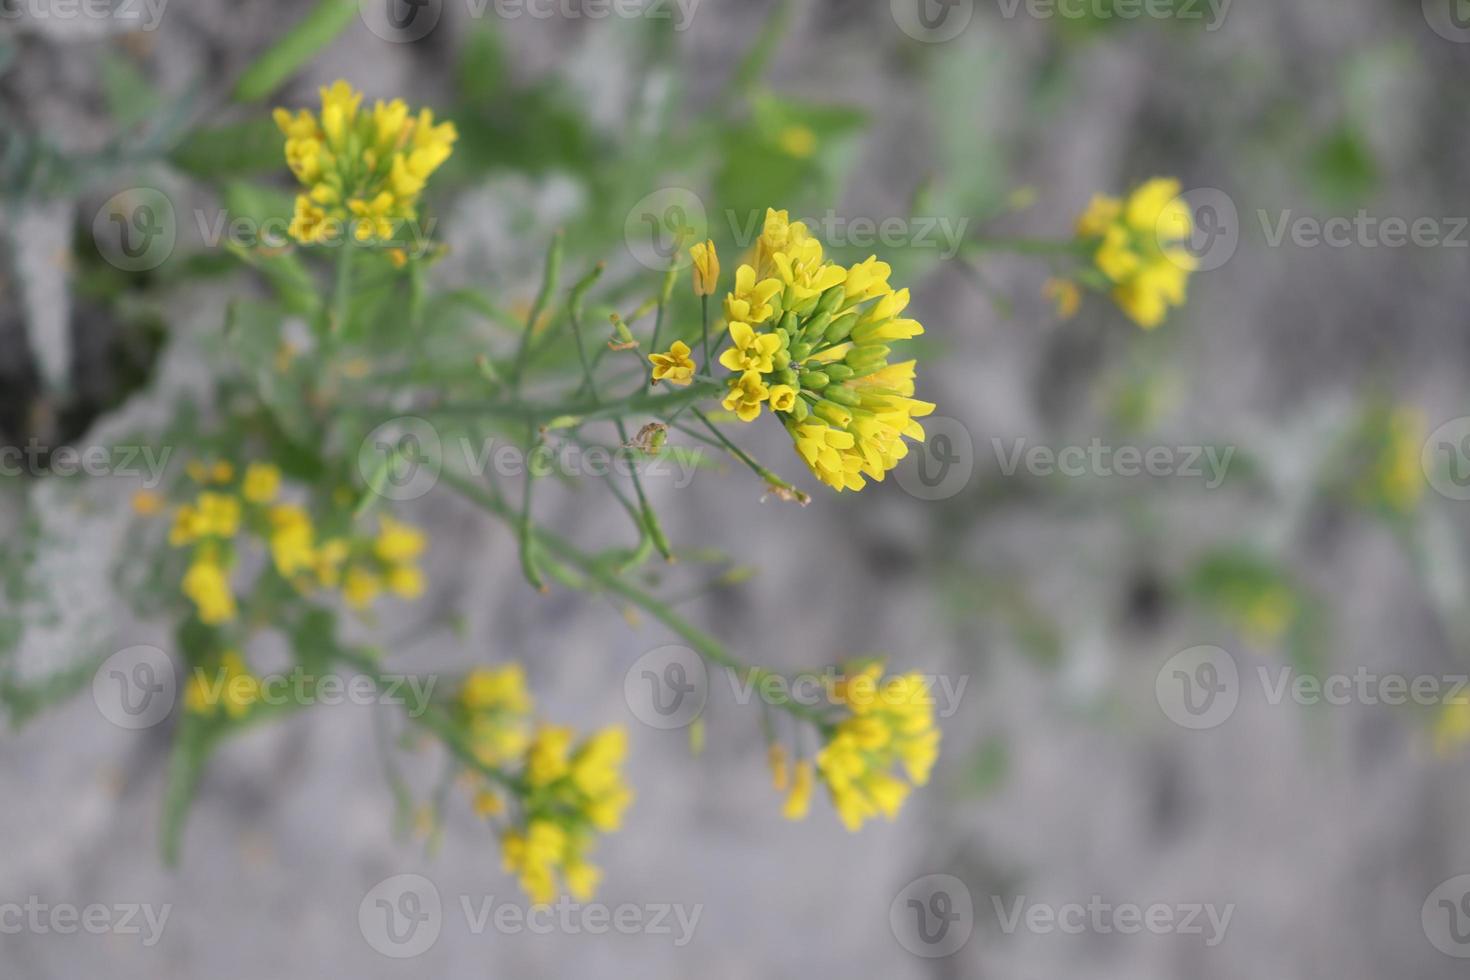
[
  {"x": 1139, "y": 246},
  {"x": 811, "y": 339},
  {"x": 360, "y": 169},
  {"x": 676, "y": 366}
]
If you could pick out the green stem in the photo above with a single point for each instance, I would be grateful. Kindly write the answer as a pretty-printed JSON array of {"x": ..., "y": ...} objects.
[
  {"x": 706, "y": 645},
  {"x": 771, "y": 478}
]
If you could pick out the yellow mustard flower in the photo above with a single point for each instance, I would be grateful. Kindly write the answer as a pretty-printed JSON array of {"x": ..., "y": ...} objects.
[
  {"x": 676, "y": 366},
  {"x": 884, "y": 744},
  {"x": 706, "y": 268},
  {"x": 207, "y": 585},
  {"x": 1139, "y": 246},
  {"x": 360, "y": 169},
  {"x": 496, "y": 707},
  {"x": 230, "y": 686},
  {"x": 798, "y": 141},
  {"x": 747, "y": 392},
  {"x": 361, "y": 587},
  {"x": 570, "y": 795},
  {"x": 811, "y": 339},
  {"x": 751, "y": 351},
  {"x": 261, "y": 484}
]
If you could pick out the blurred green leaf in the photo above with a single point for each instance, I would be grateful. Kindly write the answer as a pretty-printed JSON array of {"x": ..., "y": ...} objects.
[
  {"x": 315, "y": 31},
  {"x": 236, "y": 150},
  {"x": 130, "y": 97}
]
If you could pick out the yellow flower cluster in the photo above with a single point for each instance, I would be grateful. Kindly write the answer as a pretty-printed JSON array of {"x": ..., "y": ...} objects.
[
  {"x": 810, "y": 341},
  {"x": 362, "y": 568},
  {"x": 1138, "y": 245},
  {"x": 495, "y": 709},
  {"x": 363, "y": 169},
  {"x": 572, "y": 792},
  {"x": 887, "y": 725},
  {"x": 230, "y": 686},
  {"x": 564, "y": 792}
]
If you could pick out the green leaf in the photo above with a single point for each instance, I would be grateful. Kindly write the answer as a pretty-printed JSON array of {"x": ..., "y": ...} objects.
[
  {"x": 316, "y": 30},
  {"x": 193, "y": 741},
  {"x": 130, "y": 97},
  {"x": 236, "y": 150}
]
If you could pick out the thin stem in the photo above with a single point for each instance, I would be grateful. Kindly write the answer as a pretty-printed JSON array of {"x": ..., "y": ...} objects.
[
  {"x": 771, "y": 478},
  {"x": 704, "y": 324}
]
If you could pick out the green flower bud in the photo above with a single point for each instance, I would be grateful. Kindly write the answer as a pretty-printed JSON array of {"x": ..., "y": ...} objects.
[
  {"x": 843, "y": 396},
  {"x": 814, "y": 380},
  {"x": 816, "y": 326},
  {"x": 839, "y": 329},
  {"x": 838, "y": 372},
  {"x": 800, "y": 410},
  {"x": 800, "y": 352},
  {"x": 831, "y": 300}
]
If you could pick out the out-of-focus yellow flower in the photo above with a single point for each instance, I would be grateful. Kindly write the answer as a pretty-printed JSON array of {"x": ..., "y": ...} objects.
[
  {"x": 292, "y": 540},
  {"x": 706, "y": 268},
  {"x": 780, "y": 768},
  {"x": 361, "y": 587},
  {"x": 1065, "y": 295},
  {"x": 798, "y": 141},
  {"x": 571, "y": 794},
  {"x": 397, "y": 542},
  {"x": 262, "y": 483},
  {"x": 884, "y": 744},
  {"x": 799, "y": 801},
  {"x": 359, "y": 168},
  {"x": 1452, "y": 725},
  {"x": 1139, "y": 246},
  {"x": 230, "y": 686},
  {"x": 146, "y": 503},
  {"x": 676, "y": 366},
  {"x": 207, "y": 585},
  {"x": 811, "y": 339},
  {"x": 497, "y": 709},
  {"x": 1395, "y": 477}
]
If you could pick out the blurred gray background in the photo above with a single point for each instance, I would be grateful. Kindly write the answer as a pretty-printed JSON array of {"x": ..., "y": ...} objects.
[{"x": 1322, "y": 829}]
